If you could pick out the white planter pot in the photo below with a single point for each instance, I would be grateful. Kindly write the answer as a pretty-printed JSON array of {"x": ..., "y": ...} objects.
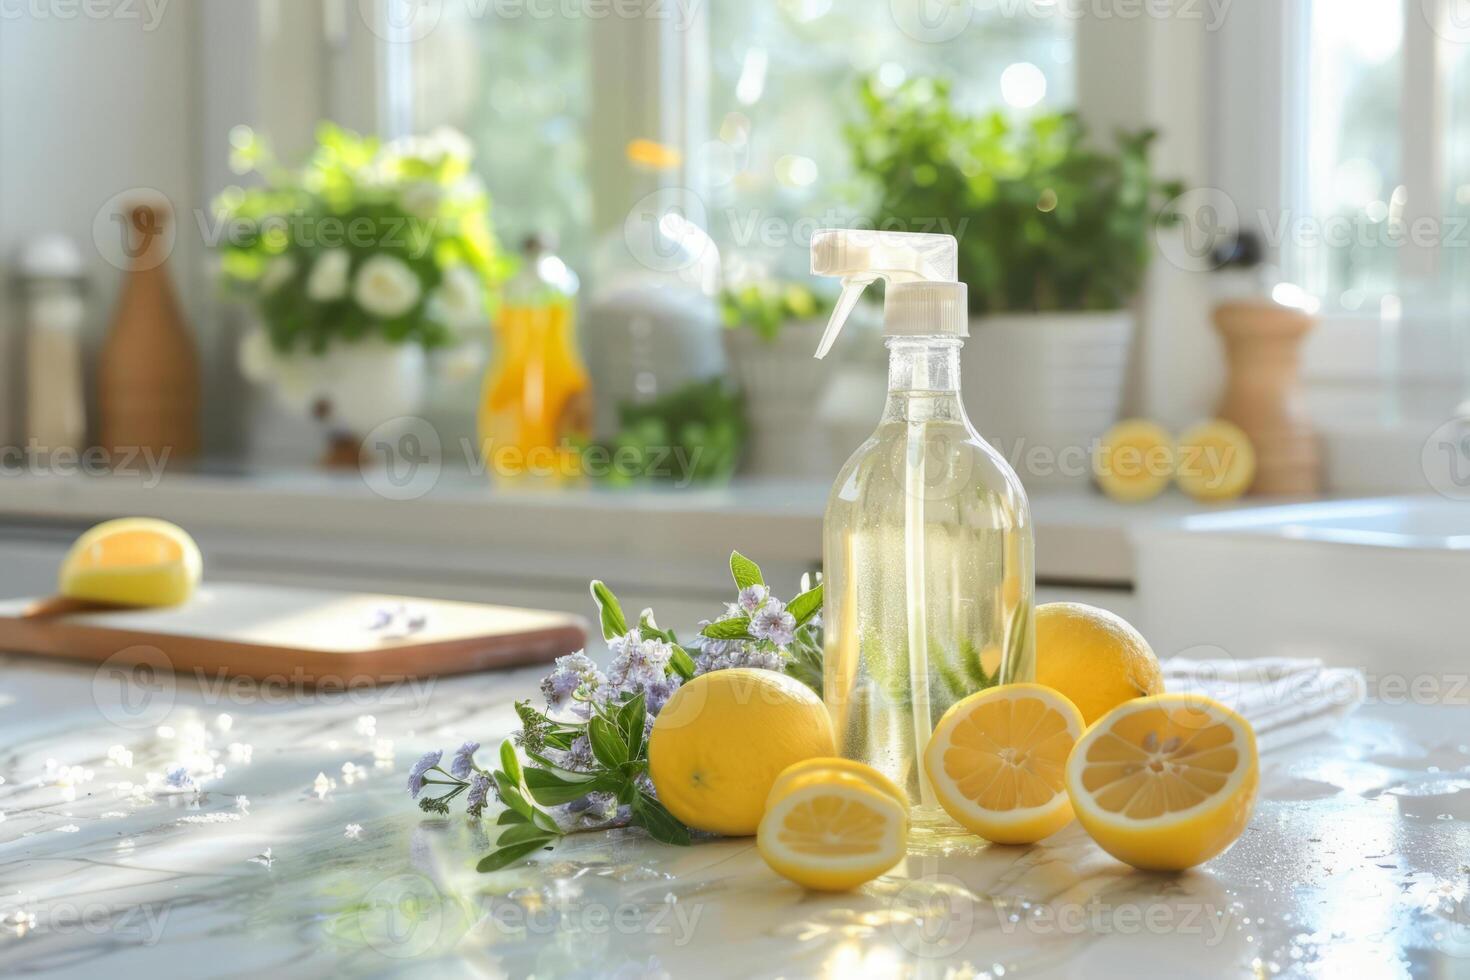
[
  {"x": 1043, "y": 387},
  {"x": 349, "y": 390},
  {"x": 783, "y": 385}
]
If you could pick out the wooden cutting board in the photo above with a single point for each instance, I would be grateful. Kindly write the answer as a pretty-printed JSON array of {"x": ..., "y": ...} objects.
[{"x": 313, "y": 636}]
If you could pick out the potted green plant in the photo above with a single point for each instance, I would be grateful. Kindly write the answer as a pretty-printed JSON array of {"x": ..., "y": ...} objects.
[
  {"x": 356, "y": 265},
  {"x": 1055, "y": 235},
  {"x": 772, "y": 328}
]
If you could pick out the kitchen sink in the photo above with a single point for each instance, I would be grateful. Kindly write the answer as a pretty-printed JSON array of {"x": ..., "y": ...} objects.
[{"x": 1382, "y": 584}]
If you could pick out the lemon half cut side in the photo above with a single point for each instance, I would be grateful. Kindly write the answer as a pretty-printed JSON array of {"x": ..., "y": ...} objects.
[
  {"x": 1165, "y": 782},
  {"x": 997, "y": 760},
  {"x": 832, "y": 831}
]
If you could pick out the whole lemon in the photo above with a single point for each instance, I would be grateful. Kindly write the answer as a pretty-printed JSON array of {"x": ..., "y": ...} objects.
[
  {"x": 723, "y": 738},
  {"x": 1094, "y": 657}
]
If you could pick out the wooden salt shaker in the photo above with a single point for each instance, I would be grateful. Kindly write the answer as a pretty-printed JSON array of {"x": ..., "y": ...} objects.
[
  {"x": 1263, "y": 396},
  {"x": 148, "y": 374}
]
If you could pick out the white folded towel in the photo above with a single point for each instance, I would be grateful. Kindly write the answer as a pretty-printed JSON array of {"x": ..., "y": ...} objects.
[{"x": 1285, "y": 699}]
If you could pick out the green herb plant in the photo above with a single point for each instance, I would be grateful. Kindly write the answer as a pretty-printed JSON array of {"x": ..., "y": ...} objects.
[{"x": 1046, "y": 220}]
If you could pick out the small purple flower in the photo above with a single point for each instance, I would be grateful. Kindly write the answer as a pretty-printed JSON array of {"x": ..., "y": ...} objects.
[
  {"x": 752, "y": 597},
  {"x": 463, "y": 762},
  {"x": 773, "y": 623},
  {"x": 178, "y": 777},
  {"x": 657, "y": 694},
  {"x": 478, "y": 794},
  {"x": 579, "y": 754},
  {"x": 638, "y": 663},
  {"x": 573, "y": 680},
  {"x": 416, "y": 774}
]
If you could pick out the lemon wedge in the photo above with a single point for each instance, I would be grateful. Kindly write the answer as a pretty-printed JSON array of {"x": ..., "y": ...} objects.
[
  {"x": 1165, "y": 782},
  {"x": 832, "y": 830},
  {"x": 1134, "y": 461},
  {"x": 793, "y": 773},
  {"x": 132, "y": 561},
  {"x": 1215, "y": 461},
  {"x": 996, "y": 762}
]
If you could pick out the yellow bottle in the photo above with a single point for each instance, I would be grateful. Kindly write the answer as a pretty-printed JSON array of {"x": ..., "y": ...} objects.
[{"x": 535, "y": 406}]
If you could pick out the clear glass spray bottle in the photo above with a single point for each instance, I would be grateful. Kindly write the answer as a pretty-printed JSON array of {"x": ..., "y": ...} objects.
[{"x": 927, "y": 541}]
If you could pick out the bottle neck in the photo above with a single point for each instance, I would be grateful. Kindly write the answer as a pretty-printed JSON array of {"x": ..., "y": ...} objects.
[{"x": 923, "y": 379}]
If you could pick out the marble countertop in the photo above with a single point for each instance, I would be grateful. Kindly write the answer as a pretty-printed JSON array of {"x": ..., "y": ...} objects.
[{"x": 297, "y": 852}]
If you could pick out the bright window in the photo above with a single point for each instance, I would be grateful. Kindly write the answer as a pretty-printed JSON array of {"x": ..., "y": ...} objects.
[
  {"x": 1340, "y": 239},
  {"x": 783, "y": 79},
  {"x": 776, "y": 81}
]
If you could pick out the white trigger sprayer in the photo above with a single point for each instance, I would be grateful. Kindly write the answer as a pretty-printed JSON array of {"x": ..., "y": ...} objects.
[{"x": 924, "y": 296}]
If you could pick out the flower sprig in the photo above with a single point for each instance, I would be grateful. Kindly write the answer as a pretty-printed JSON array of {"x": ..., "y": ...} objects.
[{"x": 586, "y": 754}]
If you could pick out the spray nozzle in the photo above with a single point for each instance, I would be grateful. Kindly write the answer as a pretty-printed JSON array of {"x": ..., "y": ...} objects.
[{"x": 859, "y": 257}]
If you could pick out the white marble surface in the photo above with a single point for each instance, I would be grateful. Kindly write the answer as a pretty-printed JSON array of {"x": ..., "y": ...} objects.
[{"x": 1356, "y": 863}]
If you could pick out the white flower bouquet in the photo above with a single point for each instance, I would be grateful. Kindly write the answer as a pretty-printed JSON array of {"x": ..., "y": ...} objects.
[{"x": 368, "y": 241}]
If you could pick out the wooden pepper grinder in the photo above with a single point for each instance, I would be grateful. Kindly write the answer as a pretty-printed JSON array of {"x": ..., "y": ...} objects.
[
  {"x": 1262, "y": 395},
  {"x": 148, "y": 375}
]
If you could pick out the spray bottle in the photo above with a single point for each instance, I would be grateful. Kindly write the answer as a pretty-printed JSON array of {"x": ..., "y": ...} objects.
[{"x": 927, "y": 541}]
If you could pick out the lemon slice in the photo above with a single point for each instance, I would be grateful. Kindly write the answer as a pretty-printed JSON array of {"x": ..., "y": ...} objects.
[
  {"x": 1134, "y": 461},
  {"x": 1215, "y": 461},
  {"x": 996, "y": 762},
  {"x": 831, "y": 831},
  {"x": 1165, "y": 782},
  {"x": 133, "y": 561},
  {"x": 793, "y": 773}
]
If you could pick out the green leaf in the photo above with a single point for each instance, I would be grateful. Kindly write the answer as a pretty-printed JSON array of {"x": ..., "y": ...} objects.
[
  {"x": 553, "y": 788},
  {"x": 649, "y": 629},
  {"x": 609, "y": 611},
  {"x": 607, "y": 743},
  {"x": 745, "y": 572},
  {"x": 508, "y": 817},
  {"x": 729, "y": 629},
  {"x": 503, "y": 856},
  {"x": 509, "y": 762},
  {"x": 631, "y": 720},
  {"x": 520, "y": 833},
  {"x": 661, "y": 825},
  {"x": 806, "y": 605},
  {"x": 510, "y": 795},
  {"x": 682, "y": 663}
]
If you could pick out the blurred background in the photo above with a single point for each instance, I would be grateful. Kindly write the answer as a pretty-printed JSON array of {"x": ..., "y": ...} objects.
[{"x": 478, "y": 298}]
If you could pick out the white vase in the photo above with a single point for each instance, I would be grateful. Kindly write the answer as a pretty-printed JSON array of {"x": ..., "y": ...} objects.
[
  {"x": 783, "y": 385},
  {"x": 1042, "y": 387},
  {"x": 349, "y": 389}
]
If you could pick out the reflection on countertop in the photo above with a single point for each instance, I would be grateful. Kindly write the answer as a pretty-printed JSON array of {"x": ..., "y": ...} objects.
[{"x": 247, "y": 828}]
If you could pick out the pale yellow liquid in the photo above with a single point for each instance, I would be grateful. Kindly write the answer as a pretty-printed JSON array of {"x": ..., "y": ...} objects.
[{"x": 917, "y": 621}]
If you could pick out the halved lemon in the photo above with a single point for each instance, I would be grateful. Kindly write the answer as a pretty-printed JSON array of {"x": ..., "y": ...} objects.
[
  {"x": 132, "y": 561},
  {"x": 997, "y": 758},
  {"x": 832, "y": 830},
  {"x": 1134, "y": 460},
  {"x": 1215, "y": 461},
  {"x": 1165, "y": 782},
  {"x": 793, "y": 773}
]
